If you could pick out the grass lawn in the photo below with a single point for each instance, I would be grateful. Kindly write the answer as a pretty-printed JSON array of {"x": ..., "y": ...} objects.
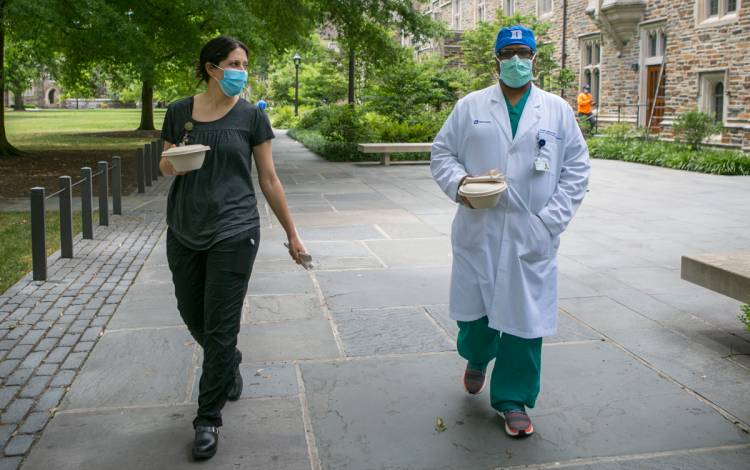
[
  {"x": 72, "y": 129},
  {"x": 15, "y": 249}
]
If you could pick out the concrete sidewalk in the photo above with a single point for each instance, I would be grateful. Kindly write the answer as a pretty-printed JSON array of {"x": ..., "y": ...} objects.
[{"x": 349, "y": 366}]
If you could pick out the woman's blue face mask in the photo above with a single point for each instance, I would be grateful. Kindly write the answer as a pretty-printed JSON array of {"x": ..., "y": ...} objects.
[{"x": 234, "y": 81}]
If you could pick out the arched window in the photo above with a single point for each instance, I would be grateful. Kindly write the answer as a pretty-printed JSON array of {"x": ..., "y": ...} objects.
[{"x": 652, "y": 42}]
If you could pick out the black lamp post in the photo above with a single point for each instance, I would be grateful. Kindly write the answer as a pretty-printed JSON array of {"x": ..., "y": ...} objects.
[{"x": 297, "y": 60}]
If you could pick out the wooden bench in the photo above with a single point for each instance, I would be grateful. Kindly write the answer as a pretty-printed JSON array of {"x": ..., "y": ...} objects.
[
  {"x": 386, "y": 149},
  {"x": 726, "y": 273}
]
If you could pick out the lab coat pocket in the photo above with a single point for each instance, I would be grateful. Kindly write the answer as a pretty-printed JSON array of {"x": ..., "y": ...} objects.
[
  {"x": 538, "y": 243},
  {"x": 469, "y": 228}
]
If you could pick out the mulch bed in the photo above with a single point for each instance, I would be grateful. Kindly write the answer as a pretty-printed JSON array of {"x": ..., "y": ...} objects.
[{"x": 43, "y": 167}]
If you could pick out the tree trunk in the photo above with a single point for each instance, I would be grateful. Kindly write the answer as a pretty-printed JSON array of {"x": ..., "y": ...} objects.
[
  {"x": 351, "y": 74},
  {"x": 147, "y": 106},
  {"x": 5, "y": 148},
  {"x": 18, "y": 104}
]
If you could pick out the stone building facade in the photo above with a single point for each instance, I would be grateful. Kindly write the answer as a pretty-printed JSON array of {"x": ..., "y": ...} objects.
[
  {"x": 43, "y": 93},
  {"x": 646, "y": 60}
]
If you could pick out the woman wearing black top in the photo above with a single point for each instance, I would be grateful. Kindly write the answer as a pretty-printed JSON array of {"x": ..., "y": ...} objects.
[{"x": 213, "y": 221}]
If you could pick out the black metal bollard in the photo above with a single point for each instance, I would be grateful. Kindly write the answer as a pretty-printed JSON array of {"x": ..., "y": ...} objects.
[
  {"x": 155, "y": 159},
  {"x": 66, "y": 216},
  {"x": 102, "y": 169},
  {"x": 87, "y": 217},
  {"x": 148, "y": 165},
  {"x": 141, "y": 171},
  {"x": 38, "y": 243},
  {"x": 116, "y": 185},
  {"x": 160, "y": 149}
]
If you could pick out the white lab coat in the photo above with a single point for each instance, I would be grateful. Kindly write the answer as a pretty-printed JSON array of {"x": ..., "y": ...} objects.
[{"x": 504, "y": 258}]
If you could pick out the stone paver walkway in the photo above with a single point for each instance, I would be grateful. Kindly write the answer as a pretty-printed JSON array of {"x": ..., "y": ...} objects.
[
  {"x": 350, "y": 365},
  {"x": 48, "y": 329}
]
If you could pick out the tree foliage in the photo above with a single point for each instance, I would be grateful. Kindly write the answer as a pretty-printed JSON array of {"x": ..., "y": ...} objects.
[
  {"x": 366, "y": 28},
  {"x": 21, "y": 69},
  {"x": 156, "y": 41},
  {"x": 478, "y": 48},
  {"x": 407, "y": 88}
]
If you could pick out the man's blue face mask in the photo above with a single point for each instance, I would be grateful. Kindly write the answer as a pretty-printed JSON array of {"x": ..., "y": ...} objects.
[
  {"x": 515, "y": 72},
  {"x": 234, "y": 81}
]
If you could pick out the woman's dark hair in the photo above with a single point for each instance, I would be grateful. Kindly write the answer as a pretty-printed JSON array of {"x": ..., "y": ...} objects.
[{"x": 216, "y": 50}]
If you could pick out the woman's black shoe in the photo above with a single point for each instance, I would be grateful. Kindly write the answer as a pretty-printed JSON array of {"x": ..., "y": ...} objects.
[
  {"x": 235, "y": 389},
  {"x": 206, "y": 442}
]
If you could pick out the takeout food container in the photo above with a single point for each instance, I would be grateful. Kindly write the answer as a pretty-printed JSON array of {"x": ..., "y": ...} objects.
[
  {"x": 483, "y": 192},
  {"x": 186, "y": 157}
]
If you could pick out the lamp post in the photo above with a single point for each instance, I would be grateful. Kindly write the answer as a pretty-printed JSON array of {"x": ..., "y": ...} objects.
[{"x": 297, "y": 60}]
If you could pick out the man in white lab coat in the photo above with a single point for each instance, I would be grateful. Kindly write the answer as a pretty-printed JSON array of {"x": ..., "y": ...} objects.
[{"x": 504, "y": 278}]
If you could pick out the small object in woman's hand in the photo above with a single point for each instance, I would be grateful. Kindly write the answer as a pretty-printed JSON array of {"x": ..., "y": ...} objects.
[{"x": 305, "y": 259}]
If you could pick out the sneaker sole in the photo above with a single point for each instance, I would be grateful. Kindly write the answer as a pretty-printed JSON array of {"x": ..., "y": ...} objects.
[{"x": 513, "y": 433}]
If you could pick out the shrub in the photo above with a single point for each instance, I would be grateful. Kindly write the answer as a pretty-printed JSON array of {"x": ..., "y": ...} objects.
[
  {"x": 335, "y": 131},
  {"x": 671, "y": 155},
  {"x": 694, "y": 127},
  {"x": 621, "y": 131},
  {"x": 744, "y": 316},
  {"x": 283, "y": 117},
  {"x": 311, "y": 119},
  {"x": 345, "y": 123},
  {"x": 334, "y": 151},
  {"x": 419, "y": 128}
]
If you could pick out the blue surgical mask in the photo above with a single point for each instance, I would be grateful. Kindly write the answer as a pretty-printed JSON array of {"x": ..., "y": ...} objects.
[
  {"x": 234, "y": 81},
  {"x": 515, "y": 72}
]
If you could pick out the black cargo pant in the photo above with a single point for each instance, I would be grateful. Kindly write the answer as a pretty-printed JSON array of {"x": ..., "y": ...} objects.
[{"x": 210, "y": 287}]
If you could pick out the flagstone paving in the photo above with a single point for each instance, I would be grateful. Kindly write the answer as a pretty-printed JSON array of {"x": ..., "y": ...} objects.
[{"x": 351, "y": 365}]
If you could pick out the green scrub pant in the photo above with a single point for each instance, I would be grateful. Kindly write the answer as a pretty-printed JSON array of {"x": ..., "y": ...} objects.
[{"x": 518, "y": 363}]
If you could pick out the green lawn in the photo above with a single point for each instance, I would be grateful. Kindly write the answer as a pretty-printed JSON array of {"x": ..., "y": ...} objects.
[
  {"x": 85, "y": 129},
  {"x": 15, "y": 249}
]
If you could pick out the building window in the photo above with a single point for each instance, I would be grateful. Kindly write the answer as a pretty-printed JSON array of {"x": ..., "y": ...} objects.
[
  {"x": 656, "y": 43},
  {"x": 710, "y": 11},
  {"x": 508, "y": 7},
  {"x": 457, "y": 14},
  {"x": 712, "y": 93},
  {"x": 481, "y": 11},
  {"x": 544, "y": 7},
  {"x": 591, "y": 56},
  {"x": 719, "y": 102}
]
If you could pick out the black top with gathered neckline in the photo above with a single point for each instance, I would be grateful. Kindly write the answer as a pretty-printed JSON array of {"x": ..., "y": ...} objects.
[{"x": 218, "y": 200}]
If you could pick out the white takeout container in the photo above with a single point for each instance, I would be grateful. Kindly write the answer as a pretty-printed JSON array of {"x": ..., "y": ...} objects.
[
  {"x": 186, "y": 157},
  {"x": 483, "y": 192}
]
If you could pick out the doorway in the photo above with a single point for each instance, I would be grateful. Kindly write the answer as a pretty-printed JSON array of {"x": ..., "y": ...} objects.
[{"x": 655, "y": 97}]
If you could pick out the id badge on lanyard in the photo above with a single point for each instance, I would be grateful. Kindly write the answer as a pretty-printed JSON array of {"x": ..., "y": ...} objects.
[{"x": 541, "y": 163}]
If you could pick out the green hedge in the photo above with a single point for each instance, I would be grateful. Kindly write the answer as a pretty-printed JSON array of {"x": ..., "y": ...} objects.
[
  {"x": 334, "y": 131},
  {"x": 333, "y": 151},
  {"x": 344, "y": 151},
  {"x": 671, "y": 155}
]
